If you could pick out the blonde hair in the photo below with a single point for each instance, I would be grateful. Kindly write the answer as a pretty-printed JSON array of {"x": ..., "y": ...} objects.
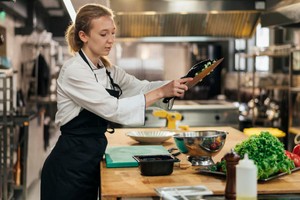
[{"x": 84, "y": 16}]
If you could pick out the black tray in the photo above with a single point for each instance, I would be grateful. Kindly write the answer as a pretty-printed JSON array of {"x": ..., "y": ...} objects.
[{"x": 222, "y": 174}]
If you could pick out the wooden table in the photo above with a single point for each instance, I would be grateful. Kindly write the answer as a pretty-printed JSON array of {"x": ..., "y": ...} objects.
[{"x": 127, "y": 182}]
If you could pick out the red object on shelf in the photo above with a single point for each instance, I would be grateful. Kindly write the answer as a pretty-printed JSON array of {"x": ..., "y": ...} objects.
[{"x": 296, "y": 149}]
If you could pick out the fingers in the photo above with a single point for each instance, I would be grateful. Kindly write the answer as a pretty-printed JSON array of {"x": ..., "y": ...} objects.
[
  {"x": 180, "y": 87},
  {"x": 185, "y": 80},
  {"x": 176, "y": 88},
  {"x": 180, "y": 91},
  {"x": 182, "y": 83}
]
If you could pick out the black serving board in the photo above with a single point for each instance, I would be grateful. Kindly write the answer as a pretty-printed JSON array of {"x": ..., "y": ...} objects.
[{"x": 222, "y": 174}]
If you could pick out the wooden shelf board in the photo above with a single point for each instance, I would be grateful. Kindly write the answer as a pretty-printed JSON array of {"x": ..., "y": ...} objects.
[
  {"x": 295, "y": 130},
  {"x": 295, "y": 89}
]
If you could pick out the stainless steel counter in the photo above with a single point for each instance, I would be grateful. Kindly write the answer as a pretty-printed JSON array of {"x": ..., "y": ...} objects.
[{"x": 199, "y": 113}]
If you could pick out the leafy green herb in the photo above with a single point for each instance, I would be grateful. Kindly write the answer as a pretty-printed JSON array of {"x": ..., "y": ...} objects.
[{"x": 267, "y": 152}]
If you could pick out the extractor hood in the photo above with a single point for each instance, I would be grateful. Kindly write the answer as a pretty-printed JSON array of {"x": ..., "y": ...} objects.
[
  {"x": 235, "y": 24},
  {"x": 160, "y": 18},
  {"x": 282, "y": 14}
]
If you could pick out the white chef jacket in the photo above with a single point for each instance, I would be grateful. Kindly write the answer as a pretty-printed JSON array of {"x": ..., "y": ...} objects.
[{"x": 77, "y": 89}]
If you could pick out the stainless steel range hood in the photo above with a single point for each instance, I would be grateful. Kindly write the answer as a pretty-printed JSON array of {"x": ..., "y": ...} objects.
[
  {"x": 220, "y": 24},
  {"x": 156, "y": 18},
  {"x": 282, "y": 13}
]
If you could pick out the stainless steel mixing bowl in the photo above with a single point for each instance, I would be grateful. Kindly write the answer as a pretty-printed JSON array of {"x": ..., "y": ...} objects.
[{"x": 200, "y": 146}]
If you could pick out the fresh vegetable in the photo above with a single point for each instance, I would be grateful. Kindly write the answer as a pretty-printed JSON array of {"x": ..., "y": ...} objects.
[
  {"x": 294, "y": 157},
  {"x": 199, "y": 67},
  {"x": 268, "y": 154},
  {"x": 219, "y": 166},
  {"x": 194, "y": 71},
  {"x": 296, "y": 149},
  {"x": 288, "y": 154},
  {"x": 296, "y": 160}
]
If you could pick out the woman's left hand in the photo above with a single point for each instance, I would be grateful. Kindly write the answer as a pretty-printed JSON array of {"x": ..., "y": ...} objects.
[{"x": 175, "y": 88}]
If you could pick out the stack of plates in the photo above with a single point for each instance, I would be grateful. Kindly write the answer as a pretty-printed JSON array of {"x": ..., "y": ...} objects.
[{"x": 150, "y": 136}]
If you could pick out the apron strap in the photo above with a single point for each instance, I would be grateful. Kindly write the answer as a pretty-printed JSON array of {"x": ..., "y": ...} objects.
[{"x": 113, "y": 84}]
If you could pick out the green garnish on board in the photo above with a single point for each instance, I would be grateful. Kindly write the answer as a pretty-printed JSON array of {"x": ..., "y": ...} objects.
[{"x": 209, "y": 63}]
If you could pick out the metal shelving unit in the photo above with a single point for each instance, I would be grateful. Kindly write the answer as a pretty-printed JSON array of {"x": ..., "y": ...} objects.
[
  {"x": 6, "y": 136},
  {"x": 255, "y": 87},
  {"x": 294, "y": 98}
]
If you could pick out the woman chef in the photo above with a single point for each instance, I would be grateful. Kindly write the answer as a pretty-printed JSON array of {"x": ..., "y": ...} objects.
[{"x": 90, "y": 93}]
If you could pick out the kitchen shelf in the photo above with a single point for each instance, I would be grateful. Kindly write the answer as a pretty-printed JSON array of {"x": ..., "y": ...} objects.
[
  {"x": 273, "y": 55},
  {"x": 270, "y": 87},
  {"x": 9, "y": 141},
  {"x": 294, "y": 91},
  {"x": 256, "y": 88},
  {"x": 294, "y": 130},
  {"x": 272, "y": 51},
  {"x": 6, "y": 137}
]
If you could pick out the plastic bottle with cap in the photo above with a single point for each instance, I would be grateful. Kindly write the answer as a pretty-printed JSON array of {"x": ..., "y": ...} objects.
[{"x": 246, "y": 179}]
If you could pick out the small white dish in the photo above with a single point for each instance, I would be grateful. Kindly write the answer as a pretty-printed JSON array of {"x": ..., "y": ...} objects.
[{"x": 150, "y": 136}]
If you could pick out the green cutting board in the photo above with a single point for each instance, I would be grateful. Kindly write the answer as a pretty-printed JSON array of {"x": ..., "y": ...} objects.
[{"x": 121, "y": 156}]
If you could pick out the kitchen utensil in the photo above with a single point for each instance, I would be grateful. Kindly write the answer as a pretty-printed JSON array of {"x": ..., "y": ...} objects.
[
  {"x": 199, "y": 77},
  {"x": 150, "y": 136},
  {"x": 121, "y": 156},
  {"x": 155, "y": 165},
  {"x": 174, "y": 149},
  {"x": 204, "y": 73},
  {"x": 200, "y": 146},
  {"x": 171, "y": 117}
]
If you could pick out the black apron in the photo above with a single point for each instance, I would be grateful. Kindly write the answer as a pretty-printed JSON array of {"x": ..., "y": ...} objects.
[{"x": 72, "y": 170}]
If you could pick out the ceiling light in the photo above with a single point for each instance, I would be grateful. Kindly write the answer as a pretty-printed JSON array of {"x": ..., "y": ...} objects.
[{"x": 70, "y": 9}]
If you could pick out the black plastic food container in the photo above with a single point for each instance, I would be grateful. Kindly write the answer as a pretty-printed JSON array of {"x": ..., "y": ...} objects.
[{"x": 156, "y": 165}]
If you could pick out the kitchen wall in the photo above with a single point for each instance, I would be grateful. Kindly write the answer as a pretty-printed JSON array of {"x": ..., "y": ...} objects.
[
  {"x": 152, "y": 61},
  {"x": 22, "y": 51},
  {"x": 164, "y": 60}
]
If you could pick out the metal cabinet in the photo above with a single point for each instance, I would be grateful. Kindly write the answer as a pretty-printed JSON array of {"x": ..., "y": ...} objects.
[{"x": 197, "y": 113}]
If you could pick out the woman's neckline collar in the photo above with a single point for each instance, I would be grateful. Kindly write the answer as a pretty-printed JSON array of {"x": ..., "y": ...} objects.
[{"x": 99, "y": 64}]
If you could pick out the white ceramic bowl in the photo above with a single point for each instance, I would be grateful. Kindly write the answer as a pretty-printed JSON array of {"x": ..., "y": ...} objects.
[{"x": 150, "y": 136}]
